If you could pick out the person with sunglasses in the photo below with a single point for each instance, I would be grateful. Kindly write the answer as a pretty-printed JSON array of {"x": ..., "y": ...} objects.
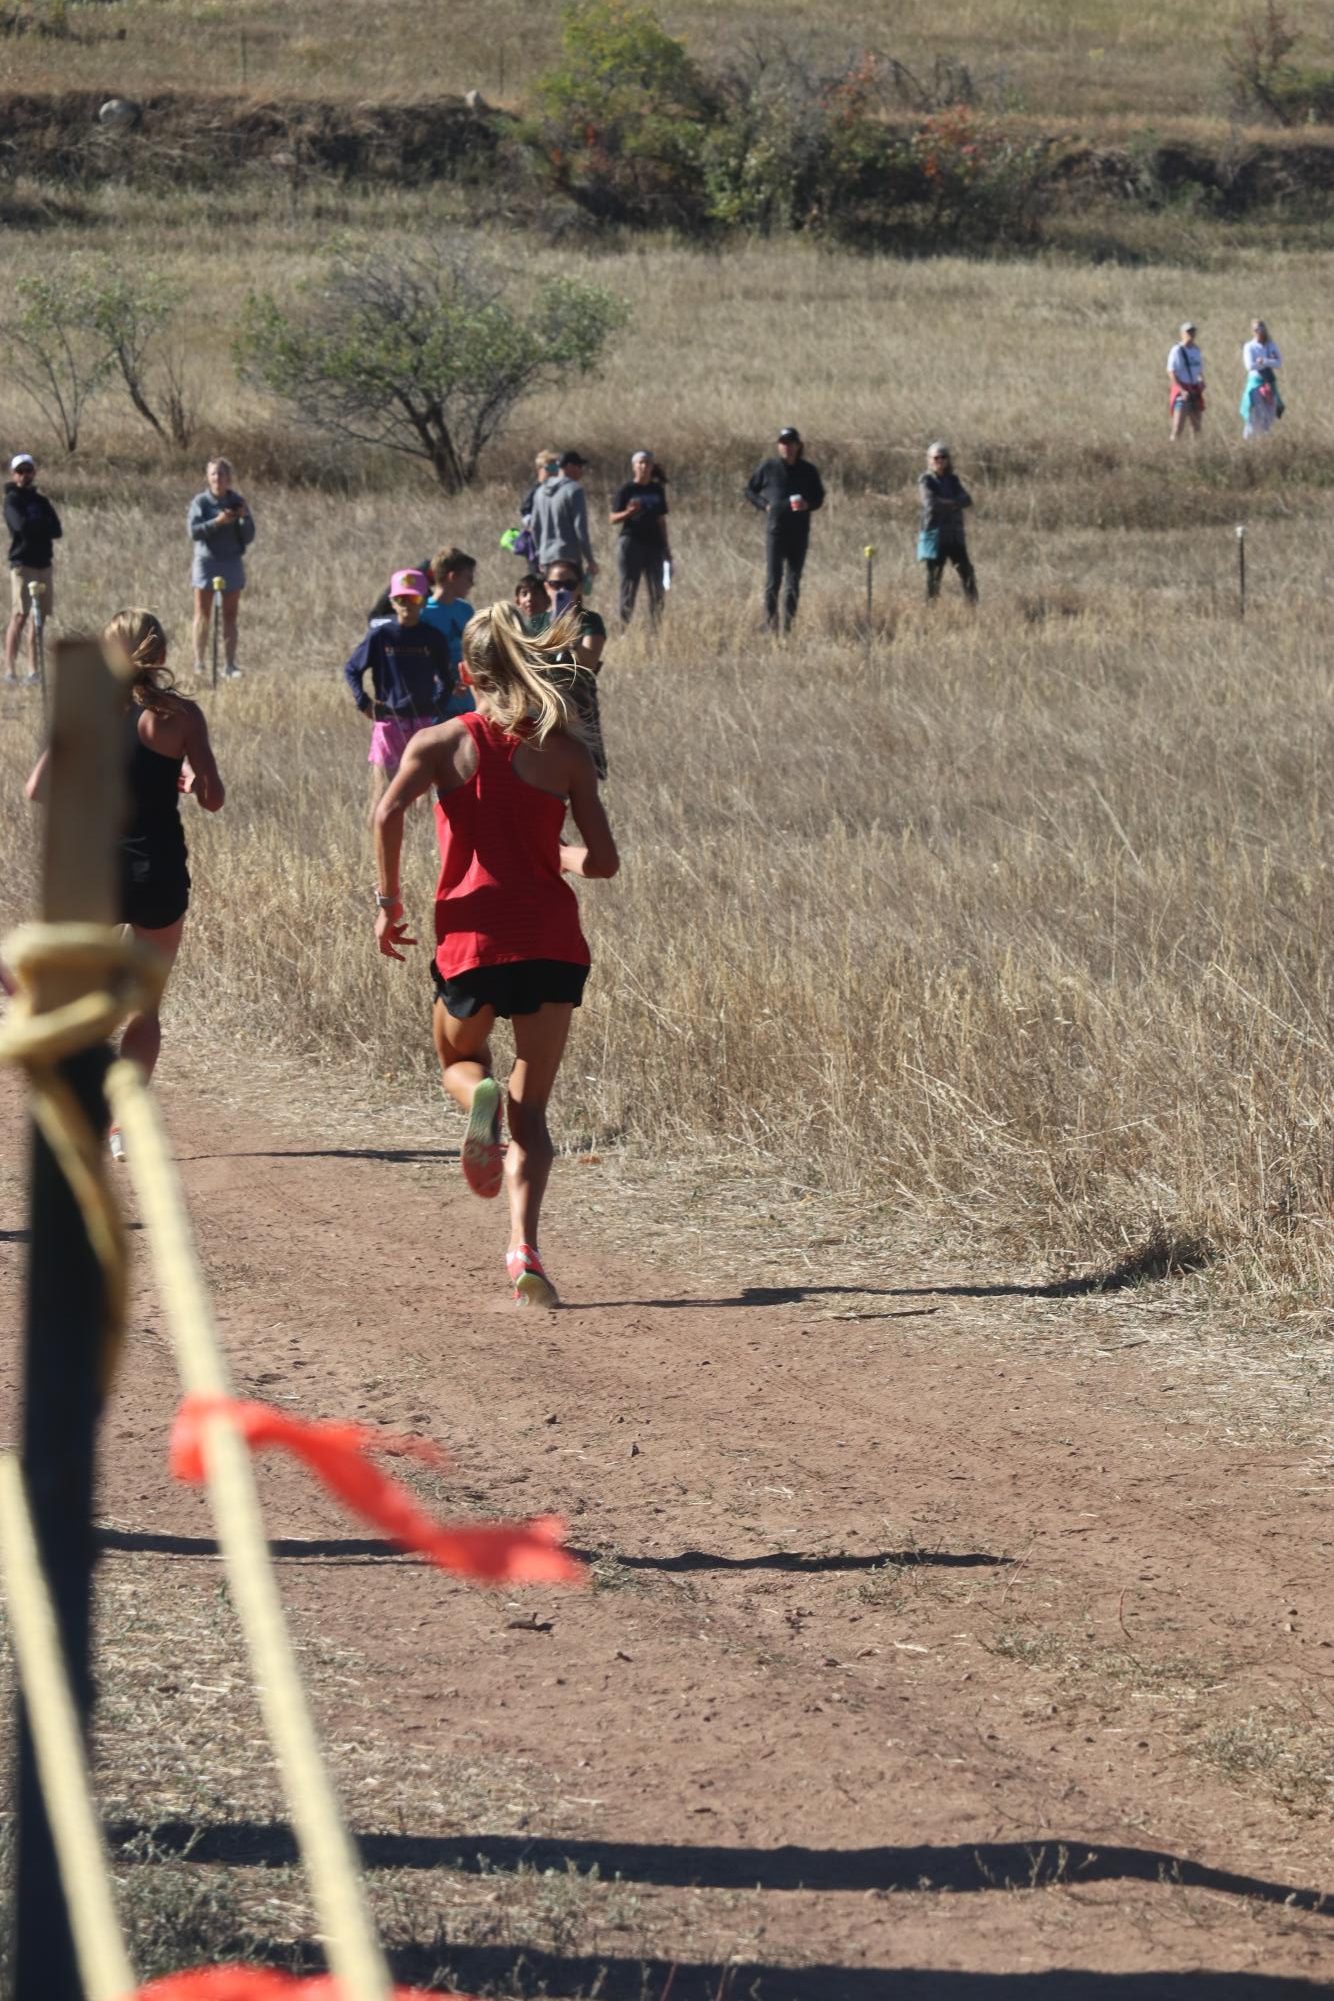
[
  {"x": 34, "y": 528},
  {"x": 940, "y": 538},
  {"x": 575, "y": 671},
  {"x": 412, "y": 677}
]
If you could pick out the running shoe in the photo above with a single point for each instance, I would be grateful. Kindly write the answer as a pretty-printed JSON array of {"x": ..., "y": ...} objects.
[
  {"x": 31, "y": 680},
  {"x": 116, "y": 1144},
  {"x": 483, "y": 1155},
  {"x": 531, "y": 1285},
  {"x": 232, "y": 673}
]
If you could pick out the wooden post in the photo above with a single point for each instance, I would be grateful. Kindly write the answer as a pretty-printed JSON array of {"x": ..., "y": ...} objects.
[
  {"x": 65, "y": 1294},
  {"x": 870, "y": 595},
  {"x": 1241, "y": 571}
]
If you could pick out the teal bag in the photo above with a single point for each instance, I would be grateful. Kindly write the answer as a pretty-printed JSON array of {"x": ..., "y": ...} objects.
[{"x": 928, "y": 545}]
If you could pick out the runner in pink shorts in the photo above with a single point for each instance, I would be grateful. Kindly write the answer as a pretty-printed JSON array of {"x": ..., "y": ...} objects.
[{"x": 412, "y": 677}]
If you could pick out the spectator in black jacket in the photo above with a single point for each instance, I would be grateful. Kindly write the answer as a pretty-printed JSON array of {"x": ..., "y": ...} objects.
[
  {"x": 787, "y": 490},
  {"x": 940, "y": 537},
  {"x": 34, "y": 528}
]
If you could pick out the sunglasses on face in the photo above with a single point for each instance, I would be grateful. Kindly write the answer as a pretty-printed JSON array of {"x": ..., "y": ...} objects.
[{"x": 407, "y": 597}]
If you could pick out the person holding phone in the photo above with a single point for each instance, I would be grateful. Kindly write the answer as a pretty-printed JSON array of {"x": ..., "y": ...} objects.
[
  {"x": 221, "y": 529},
  {"x": 508, "y": 936},
  {"x": 787, "y": 490}
]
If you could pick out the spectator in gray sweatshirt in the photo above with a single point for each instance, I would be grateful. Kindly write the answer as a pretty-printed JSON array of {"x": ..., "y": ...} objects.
[
  {"x": 560, "y": 517},
  {"x": 221, "y": 530}
]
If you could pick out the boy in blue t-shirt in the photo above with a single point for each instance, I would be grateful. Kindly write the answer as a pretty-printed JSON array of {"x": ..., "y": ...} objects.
[{"x": 453, "y": 573}]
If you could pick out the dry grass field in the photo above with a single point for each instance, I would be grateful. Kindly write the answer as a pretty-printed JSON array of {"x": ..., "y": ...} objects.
[
  {"x": 955, "y": 1629},
  {"x": 1007, "y": 929},
  {"x": 1077, "y": 58}
]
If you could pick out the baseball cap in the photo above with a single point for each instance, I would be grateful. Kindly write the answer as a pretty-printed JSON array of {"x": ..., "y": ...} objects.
[
  {"x": 573, "y": 458},
  {"x": 21, "y": 459},
  {"x": 409, "y": 583},
  {"x": 789, "y": 435}
]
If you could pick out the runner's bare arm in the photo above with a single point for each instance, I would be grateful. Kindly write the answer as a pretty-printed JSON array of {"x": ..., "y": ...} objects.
[
  {"x": 207, "y": 786},
  {"x": 598, "y": 856},
  {"x": 428, "y": 760}
]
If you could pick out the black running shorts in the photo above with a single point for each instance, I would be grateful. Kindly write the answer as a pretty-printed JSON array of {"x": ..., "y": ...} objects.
[{"x": 519, "y": 988}]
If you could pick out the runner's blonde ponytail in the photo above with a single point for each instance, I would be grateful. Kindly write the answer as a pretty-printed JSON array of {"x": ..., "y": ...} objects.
[
  {"x": 136, "y": 641},
  {"x": 510, "y": 671}
]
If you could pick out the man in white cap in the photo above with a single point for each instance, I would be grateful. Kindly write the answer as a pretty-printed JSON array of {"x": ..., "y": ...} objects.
[
  {"x": 1185, "y": 375},
  {"x": 34, "y": 527}
]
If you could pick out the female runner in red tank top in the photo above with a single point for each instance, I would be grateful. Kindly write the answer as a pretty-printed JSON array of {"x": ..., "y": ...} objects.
[{"x": 508, "y": 937}]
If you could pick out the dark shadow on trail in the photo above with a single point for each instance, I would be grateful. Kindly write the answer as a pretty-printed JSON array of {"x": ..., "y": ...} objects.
[
  {"x": 15, "y": 1236},
  {"x": 961, "y": 1867},
  {"x": 393, "y": 1156},
  {"x": 368, "y": 1549},
  {"x": 805, "y": 1564},
  {"x": 365, "y": 1549}
]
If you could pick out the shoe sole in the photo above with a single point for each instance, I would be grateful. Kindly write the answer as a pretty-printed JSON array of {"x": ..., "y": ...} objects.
[
  {"x": 483, "y": 1156},
  {"x": 534, "y": 1288}
]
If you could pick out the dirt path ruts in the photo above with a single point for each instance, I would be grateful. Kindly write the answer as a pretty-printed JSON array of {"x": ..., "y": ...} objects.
[{"x": 908, "y": 1650}]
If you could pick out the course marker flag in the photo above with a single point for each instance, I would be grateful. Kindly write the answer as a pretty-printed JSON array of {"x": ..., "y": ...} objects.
[
  {"x": 338, "y": 1454},
  {"x": 257, "y": 1983}
]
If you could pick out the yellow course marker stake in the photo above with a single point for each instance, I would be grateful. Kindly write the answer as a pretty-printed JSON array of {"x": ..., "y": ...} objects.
[{"x": 219, "y": 586}]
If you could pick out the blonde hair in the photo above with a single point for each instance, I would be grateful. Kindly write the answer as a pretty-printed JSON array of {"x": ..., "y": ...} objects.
[
  {"x": 137, "y": 644},
  {"x": 546, "y": 458},
  {"x": 519, "y": 681}
]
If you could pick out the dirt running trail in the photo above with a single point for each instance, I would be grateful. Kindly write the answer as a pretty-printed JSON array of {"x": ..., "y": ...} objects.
[{"x": 918, "y": 1642}]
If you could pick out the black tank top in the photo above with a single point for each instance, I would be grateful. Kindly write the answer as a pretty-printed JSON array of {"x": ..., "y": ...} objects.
[{"x": 154, "y": 838}]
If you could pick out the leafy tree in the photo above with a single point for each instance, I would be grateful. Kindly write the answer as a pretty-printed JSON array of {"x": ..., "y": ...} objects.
[
  {"x": 622, "y": 117},
  {"x": 425, "y": 353},
  {"x": 53, "y": 351}
]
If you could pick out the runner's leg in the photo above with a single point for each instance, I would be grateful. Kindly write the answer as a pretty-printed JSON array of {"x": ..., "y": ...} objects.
[
  {"x": 539, "y": 1044},
  {"x": 142, "y": 1039},
  {"x": 464, "y": 1050}
]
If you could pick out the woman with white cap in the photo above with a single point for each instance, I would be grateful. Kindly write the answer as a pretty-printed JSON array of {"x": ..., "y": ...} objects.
[
  {"x": 640, "y": 512},
  {"x": 1185, "y": 375}
]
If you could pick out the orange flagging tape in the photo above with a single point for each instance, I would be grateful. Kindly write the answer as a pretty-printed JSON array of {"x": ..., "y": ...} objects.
[
  {"x": 338, "y": 1454},
  {"x": 255, "y": 1983}
]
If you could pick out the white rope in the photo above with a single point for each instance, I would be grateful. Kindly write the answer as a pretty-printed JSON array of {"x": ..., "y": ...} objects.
[
  {"x": 337, "y": 1885},
  {"x": 62, "y": 1768}
]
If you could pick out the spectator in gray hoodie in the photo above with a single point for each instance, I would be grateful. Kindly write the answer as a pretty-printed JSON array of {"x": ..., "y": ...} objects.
[{"x": 560, "y": 517}]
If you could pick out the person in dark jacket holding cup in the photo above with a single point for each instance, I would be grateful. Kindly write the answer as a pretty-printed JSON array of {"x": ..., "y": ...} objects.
[{"x": 787, "y": 489}]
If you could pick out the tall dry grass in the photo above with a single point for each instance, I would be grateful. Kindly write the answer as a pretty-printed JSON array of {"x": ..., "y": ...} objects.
[
  {"x": 1073, "y": 57},
  {"x": 1010, "y": 928}
]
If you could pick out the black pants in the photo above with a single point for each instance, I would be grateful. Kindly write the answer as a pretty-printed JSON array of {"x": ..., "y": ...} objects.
[
  {"x": 957, "y": 554},
  {"x": 786, "y": 550},
  {"x": 640, "y": 561}
]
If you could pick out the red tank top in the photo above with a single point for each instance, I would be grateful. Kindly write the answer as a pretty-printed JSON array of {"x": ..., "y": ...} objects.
[{"x": 501, "y": 896}]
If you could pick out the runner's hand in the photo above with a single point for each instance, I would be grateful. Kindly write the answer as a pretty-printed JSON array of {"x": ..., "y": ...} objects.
[{"x": 391, "y": 931}]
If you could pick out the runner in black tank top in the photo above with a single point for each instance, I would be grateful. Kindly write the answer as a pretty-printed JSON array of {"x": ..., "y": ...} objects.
[
  {"x": 154, "y": 878},
  {"x": 167, "y": 752}
]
